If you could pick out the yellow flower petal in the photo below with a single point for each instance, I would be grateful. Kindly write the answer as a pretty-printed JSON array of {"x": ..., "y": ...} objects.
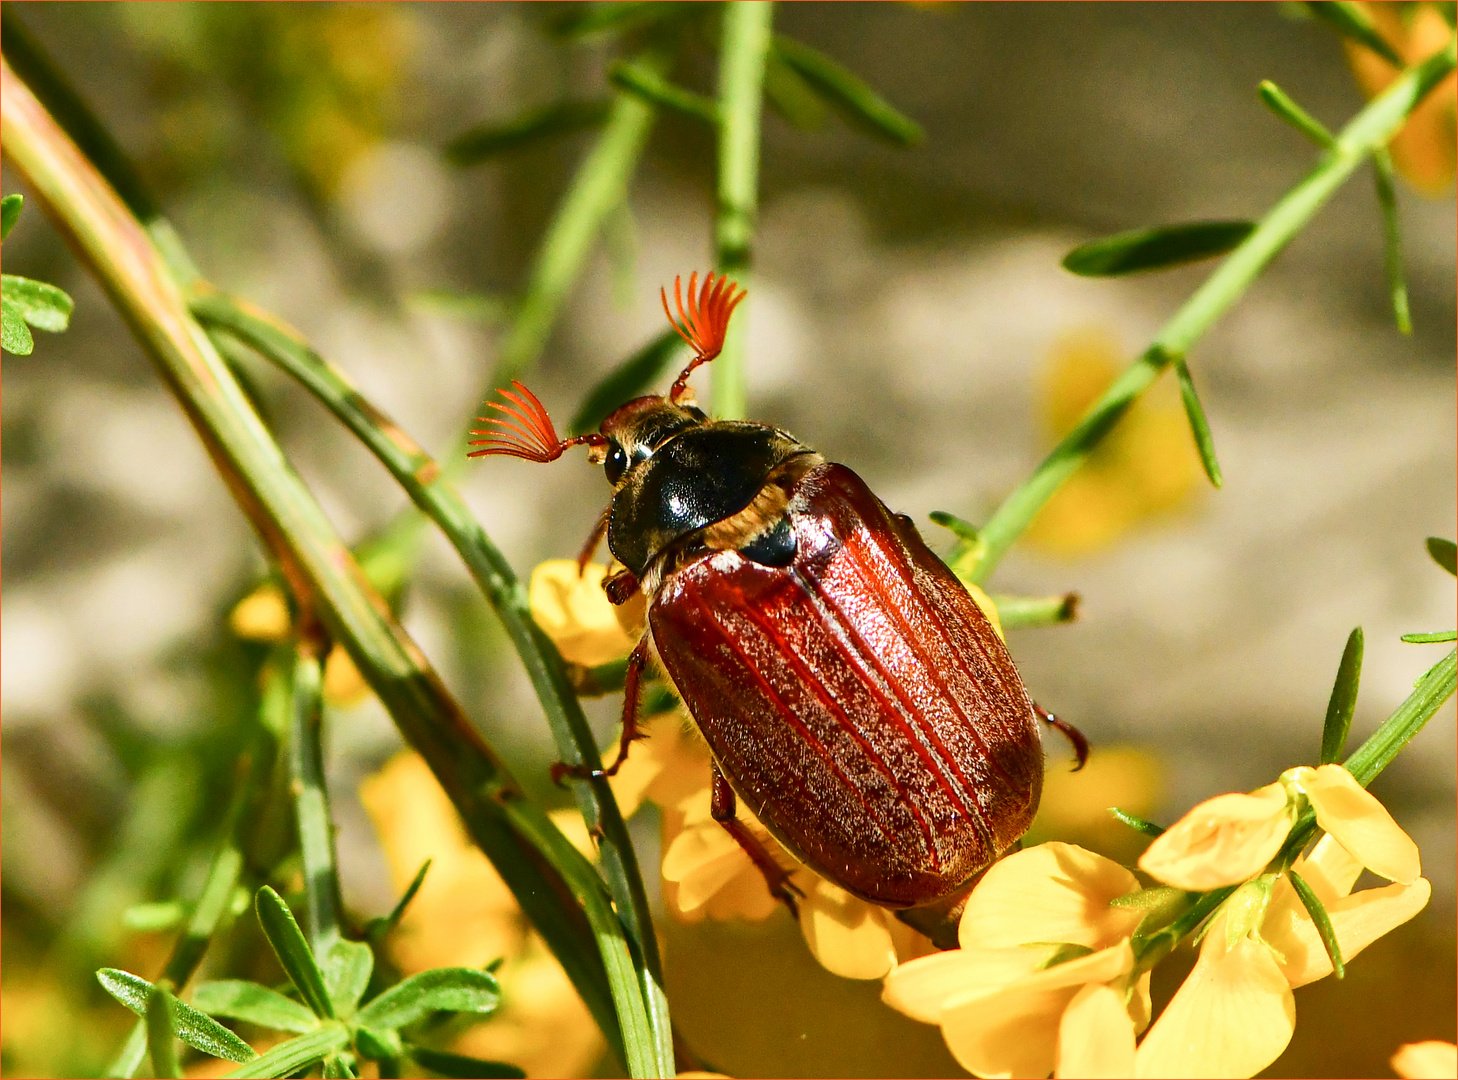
[
  {"x": 574, "y": 612},
  {"x": 847, "y": 935},
  {"x": 1330, "y": 870},
  {"x": 1358, "y": 920},
  {"x": 702, "y": 859},
  {"x": 1141, "y": 1009},
  {"x": 1426, "y": 1061},
  {"x": 1052, "y": 892},
  {"x": 262, "y": 615},
  {"x": 1360, "y": 823},
  {"x": 919, "y": 988},
  {"x": 1095, "y": 1038},
  {"x": 1223, "y": 841},
  {"x": 1233, "y": 1015},
  {"x": 1013, "y": 1031}
]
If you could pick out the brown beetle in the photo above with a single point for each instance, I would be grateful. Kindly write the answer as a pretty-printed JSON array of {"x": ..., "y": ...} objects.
[{"x": 850, "y": 690}]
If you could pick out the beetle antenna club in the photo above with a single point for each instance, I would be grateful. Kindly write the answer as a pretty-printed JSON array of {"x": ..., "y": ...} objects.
[
  {"x": 703, "y": 323},
  {"x": 525, "y": 431}
]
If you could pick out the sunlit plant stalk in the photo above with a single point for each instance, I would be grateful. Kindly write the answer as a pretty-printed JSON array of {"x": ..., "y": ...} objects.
[
  {"x": 743, "y": 52},
  {"x": 1367, "y": 133}
]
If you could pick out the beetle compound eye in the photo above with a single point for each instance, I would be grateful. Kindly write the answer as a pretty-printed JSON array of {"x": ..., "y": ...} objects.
[{"x": 616, "y": 463}]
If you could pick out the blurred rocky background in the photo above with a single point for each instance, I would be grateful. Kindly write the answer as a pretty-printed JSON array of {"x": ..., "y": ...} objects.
[{"x": 909, "y": 316}]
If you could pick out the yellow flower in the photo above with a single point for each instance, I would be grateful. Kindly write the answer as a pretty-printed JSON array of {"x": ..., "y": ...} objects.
[
  {"x": 1231, "y": 838},
  {"x": 1423, "y": 150},
  {"x": 1234, "y": 1014},
  {"x": 465, "y": 915},
  {"x": 1426, "y": 1061},
  {"x": 1222, "y": 841},
  {"x": 1037, "y": 932},
  {"x": 574, "y": 612}
]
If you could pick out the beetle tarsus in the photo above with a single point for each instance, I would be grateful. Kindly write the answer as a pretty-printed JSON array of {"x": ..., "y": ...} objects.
[{"x": 1068, "y": 731}]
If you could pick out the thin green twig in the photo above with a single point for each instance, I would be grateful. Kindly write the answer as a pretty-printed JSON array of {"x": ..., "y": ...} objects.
[
  {"x": 311, "y": 799},
  {"x": 556, "y": 886},
  {"x": 600, "y": 184},
  {"x": 743, "y": 52},
  {"x": 1368, "y": 130}
]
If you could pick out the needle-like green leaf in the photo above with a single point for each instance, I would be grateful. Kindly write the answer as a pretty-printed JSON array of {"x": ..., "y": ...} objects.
[
  {"x": 1276, "y": 99},
  {"x": 1431, "y": 639},
  {"x": 437, "y": 990},
  {"x": 1138, "y": 824},
  {"x": 238, "y": 999},
  {"x": 848, "y": 93},
  {"x": 1343, "y": 700},
  {"x": 1199, "y": 425},
  {"x": 1317, "y": 910},
  {"x": 1386, "y": 179},
  {"x": 293, "y": 951},
  {"x": 490, "y": 140},
  {"x": 1444, "y": 553},
  {"x": 1155, "y": 248},
  {"x": 653, "y": 88},
  {"x": 1351, "y": 21},
  {"x": 192, "y": 1027}
]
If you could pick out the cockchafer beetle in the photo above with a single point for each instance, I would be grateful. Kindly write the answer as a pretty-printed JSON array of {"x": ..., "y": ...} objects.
[{"x": 850, "y": 690}]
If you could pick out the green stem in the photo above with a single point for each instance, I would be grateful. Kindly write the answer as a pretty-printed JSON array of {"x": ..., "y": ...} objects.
[
  {"x": 1370, "y": 129},
  {"x": 1016, "y": 612},
  {"x": 557, "y": 887},
  {"x": 311, "y": 801},
  {"x": 422, "y": 479},
  {"x": 743, "y": 53},
  {"x": 600, "y": 184},
  {"x": 1428, "y": 695}
]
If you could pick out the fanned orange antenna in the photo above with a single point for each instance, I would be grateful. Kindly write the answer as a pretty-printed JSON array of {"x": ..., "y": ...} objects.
[
  {"x": 525, "y": 431},
  {"x": 704, "y": 323}
]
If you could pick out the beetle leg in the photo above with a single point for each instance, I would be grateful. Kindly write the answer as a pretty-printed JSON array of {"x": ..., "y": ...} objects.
[
  {"x": 632, "y": 695},
  {"x": 589, "y": 549},
  {"x": 721, "y": 809},
  {"x": 1068, "y": 731}
]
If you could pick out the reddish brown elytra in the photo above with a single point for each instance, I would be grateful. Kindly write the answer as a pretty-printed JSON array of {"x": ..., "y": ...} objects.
[{"x": 850, "y": 690}]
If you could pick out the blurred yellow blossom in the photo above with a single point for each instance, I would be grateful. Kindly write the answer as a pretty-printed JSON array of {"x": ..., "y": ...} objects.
[
  {"x": 1431, "y": 1060},
  {"x": 1222, "y": 841},
  {"x": 1075, "y": 805},
  {"x": 262, "y": 615},
  {"x": 465, "y": 915},
  {"x": 574, "y": 612},
  {"x": 1424, "y": 150},
  {"x": 1037, "y": 930},
  {"x": 1147, "y": 464}
]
